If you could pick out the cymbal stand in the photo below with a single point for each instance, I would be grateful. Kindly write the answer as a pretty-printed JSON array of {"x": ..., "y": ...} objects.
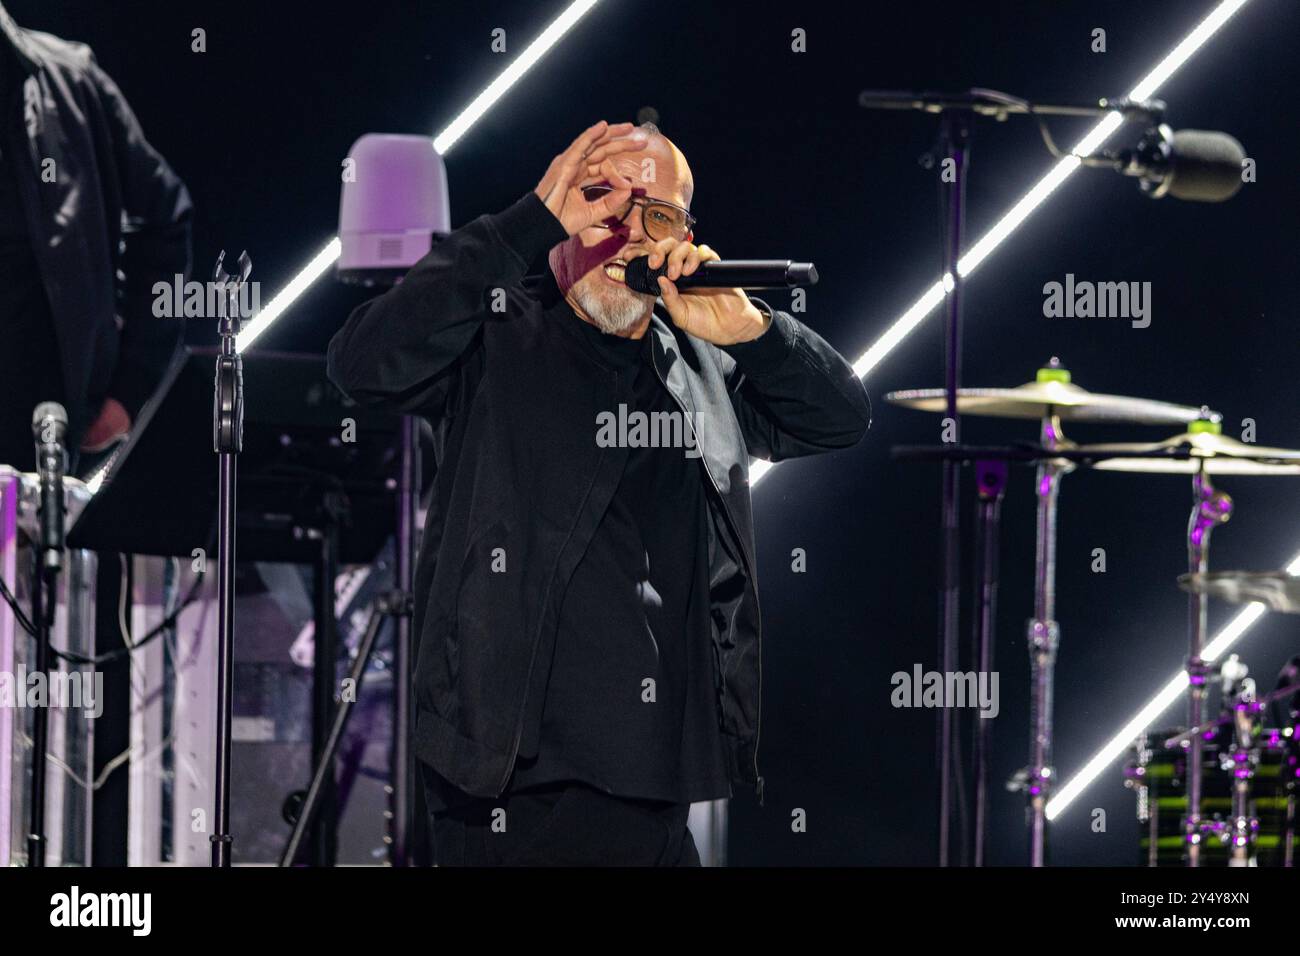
[
  {"x": 1210, "y": 508},
  {"x": 1242, "y": 759},
  {"x": 1044, "y": 635}
]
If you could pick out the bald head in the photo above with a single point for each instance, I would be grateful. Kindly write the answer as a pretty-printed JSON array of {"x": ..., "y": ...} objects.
[{"x": 659, "y": 164}]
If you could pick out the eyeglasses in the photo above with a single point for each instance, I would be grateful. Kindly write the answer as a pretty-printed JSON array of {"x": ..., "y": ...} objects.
[{"x": 659, "y": 219}]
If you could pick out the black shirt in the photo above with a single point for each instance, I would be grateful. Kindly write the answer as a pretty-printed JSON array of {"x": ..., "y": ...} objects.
[{"x": 628, "y": 702}]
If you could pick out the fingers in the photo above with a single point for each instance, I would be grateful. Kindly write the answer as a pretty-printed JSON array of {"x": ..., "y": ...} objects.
[
  {"x": 600, "y": 137},
  {"x": 660, "y": 251},
  {"x": 594, "y": 147},
  {"x": 682, "y": 258},
  {"x": 611, "y": 205},
  {"x": 614, "y": 177},
  {"x": 672, "y": 298},
  {"x": 585, "y": 142},
  {"x": 587, "y": 139},
  {"x": 612, "y": 147}
]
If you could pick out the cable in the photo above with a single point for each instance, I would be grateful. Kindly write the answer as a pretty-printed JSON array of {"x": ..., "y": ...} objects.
[
  {"x": 23, "y": 621},
  {"x": 163, "y": 626},
  {"x": 1029, "y": 109},
  {"x": 122, "y": 587}
]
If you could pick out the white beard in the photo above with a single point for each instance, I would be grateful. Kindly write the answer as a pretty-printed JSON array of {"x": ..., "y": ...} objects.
[{"x": 613, "y": 310}]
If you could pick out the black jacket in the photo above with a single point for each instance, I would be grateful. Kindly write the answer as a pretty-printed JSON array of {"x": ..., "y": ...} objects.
[
  {"x": 115, "y": 221},
  {"x": 513, "y": 397}
]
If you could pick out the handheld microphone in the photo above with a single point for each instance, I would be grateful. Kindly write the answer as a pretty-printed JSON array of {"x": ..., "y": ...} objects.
[
  {"x": 1194, "y": 164},
  {"x": 727, "y": 274},
  {"x": 50, "y": 430}
]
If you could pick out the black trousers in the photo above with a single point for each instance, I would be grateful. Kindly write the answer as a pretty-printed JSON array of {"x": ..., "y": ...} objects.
[{"x": 568, "y": 824}]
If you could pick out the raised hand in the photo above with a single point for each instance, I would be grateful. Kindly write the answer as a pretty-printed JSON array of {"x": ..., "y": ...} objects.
[{"x": 589, "y": 155}]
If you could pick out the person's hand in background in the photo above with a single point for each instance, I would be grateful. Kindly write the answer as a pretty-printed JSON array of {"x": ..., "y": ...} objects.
[{"x": 112, "y": 423}]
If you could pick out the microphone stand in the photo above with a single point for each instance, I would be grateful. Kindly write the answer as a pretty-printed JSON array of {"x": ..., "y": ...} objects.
[
  {"x": 228, "y": 442},
  {"x": 44, "y": 597},
  {"x": 953, "y": 149},
  {"x": 954, "y": 140},
  {"x": 46, "y": 564}
]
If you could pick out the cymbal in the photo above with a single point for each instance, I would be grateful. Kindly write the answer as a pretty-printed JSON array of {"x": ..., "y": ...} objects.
[
  {"x": 1277, "y": 589},
  {"x": 1209, "y": 449},
  {"x": 1051, "y": 394}
]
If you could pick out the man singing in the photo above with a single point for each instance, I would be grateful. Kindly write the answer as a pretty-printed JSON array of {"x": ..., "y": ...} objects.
[{"x": 586, "y": 595}]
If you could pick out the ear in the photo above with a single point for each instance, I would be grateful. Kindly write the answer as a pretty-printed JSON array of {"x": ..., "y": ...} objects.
[{"x": 690, "y": 236}]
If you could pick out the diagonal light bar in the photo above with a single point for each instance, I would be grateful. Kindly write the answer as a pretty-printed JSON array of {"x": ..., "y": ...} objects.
[
  {"x": 1167, "y": 695},
  {"x": 906, "y": 323},
  {"x": 299, "y": 284},
  {"x": 458, "y": 127},
  {"x": 511, "y": 74}
]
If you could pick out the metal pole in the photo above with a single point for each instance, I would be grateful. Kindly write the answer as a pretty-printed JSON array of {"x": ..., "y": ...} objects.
[
  {"x": 1210, "y": 508},
  {"x": 324, "y": 849},
  {"x": 991, "y": 479},
  {"x": 227, "y": 442},
  {"x": 403, "y": 776},
  {"x": 42, "y": 615},
  {"x": 955, "y": 137},
  {"x": 323, "y": 774},
  {"x": 1044, "y": 635},
  {"x": 221, "y": 839}
]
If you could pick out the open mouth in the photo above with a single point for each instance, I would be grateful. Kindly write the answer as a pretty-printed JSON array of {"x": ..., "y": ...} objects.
[{"x": 614, "y": 270}]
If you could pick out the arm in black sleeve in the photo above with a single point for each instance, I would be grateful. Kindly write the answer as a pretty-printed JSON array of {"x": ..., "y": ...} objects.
[
  {"x": 156, "y": 213},
  {"x": 793, "y": 394},
  {"x": 403, "y": 349}
]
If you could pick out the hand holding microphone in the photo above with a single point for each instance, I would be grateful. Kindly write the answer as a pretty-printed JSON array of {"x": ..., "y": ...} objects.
[
  {"x": 723, "y": 316},
  {"x": 705, "y": 295}
]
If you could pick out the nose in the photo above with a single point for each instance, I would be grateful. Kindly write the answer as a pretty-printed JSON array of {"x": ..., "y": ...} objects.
[{"x": 632, "y": 224}]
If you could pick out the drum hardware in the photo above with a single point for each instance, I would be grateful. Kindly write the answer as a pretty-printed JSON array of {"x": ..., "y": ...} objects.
[
  {"x": 1253, "y": 771},
  {"x": 1210, "y": 452},
  {"x": 1052, "y": 394},
  {"x": 1051, "y": 397},
  {"x": 1277, "y": 590},
  {"x": 1210, "y": 508}
]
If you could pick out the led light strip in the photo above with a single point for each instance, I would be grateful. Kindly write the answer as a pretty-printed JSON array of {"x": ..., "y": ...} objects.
[
  {"x": 1167, "y": 695},
  {"x": 906, "y": 323},
  {"x": 442, "y": 142}
]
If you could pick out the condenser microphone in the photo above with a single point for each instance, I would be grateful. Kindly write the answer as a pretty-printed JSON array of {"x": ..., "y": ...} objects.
[
  {"x": 50, "y": 430},
  {"x": 725, "y": 274},
  {"x": 1193, "y": 164}
]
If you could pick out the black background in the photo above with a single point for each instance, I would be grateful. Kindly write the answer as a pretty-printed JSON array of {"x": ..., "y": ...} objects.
[{"x": 786, "y": 164}]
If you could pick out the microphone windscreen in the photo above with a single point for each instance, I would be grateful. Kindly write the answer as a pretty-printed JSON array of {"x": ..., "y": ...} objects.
[
  {"x": 48, "y": 410},
  {"x": 640, "y": 278},
  {"x": 1204, "y": 165}
]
